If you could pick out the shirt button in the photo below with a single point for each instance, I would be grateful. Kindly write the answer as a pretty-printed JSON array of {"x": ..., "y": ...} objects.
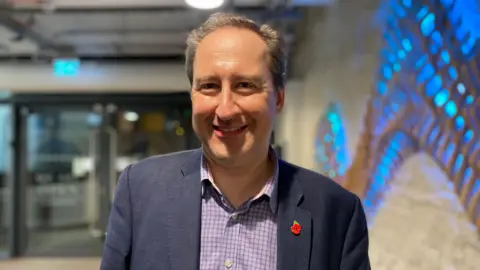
[
  {"x": 228, "y": 263},
  {"x": 234, "y": 216}
]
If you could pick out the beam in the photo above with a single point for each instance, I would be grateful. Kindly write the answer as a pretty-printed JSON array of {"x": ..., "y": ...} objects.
[
  {"x": 154, "y": 9},
  {"x": 24, "y": 30}
]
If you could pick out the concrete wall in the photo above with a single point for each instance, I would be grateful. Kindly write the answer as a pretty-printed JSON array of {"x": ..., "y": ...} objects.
[
  {"x": 422, "y": 224},
  {"x": 341, "y": 53}
]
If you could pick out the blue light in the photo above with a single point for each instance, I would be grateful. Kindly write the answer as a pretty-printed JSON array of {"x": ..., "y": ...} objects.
[
  {"x": 428, "y": 24},
  {"x": 396, "y": 67},
  {"x": 400, "y": 11},
  {"x": 461, "y": 88},
  {"x": 395, "y": 145},
  {"x": 434, "y": 48},
  {"x": 447, "y": 3},
  {"x": 66, "y": 67},
  {"x": 448, "y": 152},
  {"x": 382, "y": 88},
  {"x": 423, "y": 11},
  {"x": 402, "y": 54},
  {"x": 431, "y": 137},
  {"x": 466, "y": 177},
  {"x": 465, "y": 49},
  {"x": 441, "y": 98},
  {"x": 468, "y": 46},
  {"x": 421, "y": 61},
  {"x": 383, "y": 171},
  {"x": 335, "y": 162},
  {"x": 445, "y": 56},
  {"x": 453, "y": 72},
  {"x": 451, "y": 108},
  {"x": 391, "y": 58},
  {"x": 460, "y": 33},
  {"x": 94, "y": 119},
  {"x": 433, "y": 86},
  {"x": 459, "y": 122},
  {"x": 458, "y": 163},
  {"x": 407, "y": 3},
  {"x": 468, "y": 136},
  {"x": 475, "y": 189},
  {"x": 387, "y": 72},
  {"x": 332, "y": 117},
  {"x": 469, "y": 100},
  {"x": 407, "y": 45},
  {"x": 437, "y": 38},
  {"x": 425, "y": 73}
]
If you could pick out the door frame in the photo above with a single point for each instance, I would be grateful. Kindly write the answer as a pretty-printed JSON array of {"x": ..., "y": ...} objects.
[
  {"x": 9, "y": 182},
  {"x": 25, "y": 102}
]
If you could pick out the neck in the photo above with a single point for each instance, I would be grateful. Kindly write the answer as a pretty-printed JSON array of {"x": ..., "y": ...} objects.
[{"x": 238, "y": 183}]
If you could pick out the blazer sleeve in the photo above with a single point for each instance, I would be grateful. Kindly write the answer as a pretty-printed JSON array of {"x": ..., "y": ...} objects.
[
  {"x": 117, "y": 247},
  {"x": 355, "y": 248}
]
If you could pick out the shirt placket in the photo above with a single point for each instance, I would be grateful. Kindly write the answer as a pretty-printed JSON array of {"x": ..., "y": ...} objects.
[{"x": 233, "y": 237}]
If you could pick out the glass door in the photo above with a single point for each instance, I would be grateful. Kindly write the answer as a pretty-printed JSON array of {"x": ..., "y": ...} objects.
[
  {"x": 61, "y": 185},
  {"x": 143, "y": 131}
]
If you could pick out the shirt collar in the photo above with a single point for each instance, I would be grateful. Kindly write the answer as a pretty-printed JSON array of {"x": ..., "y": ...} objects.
[{"x": 270, "y": 189}]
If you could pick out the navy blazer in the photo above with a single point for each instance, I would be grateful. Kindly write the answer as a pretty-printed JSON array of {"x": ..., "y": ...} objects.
[{"x": 155, "y": 219}]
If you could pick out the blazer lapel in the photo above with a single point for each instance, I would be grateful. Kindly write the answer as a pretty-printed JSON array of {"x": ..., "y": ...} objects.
[
  {"x": 184, "y": 218},
  {"x": 293, "y": 250}
]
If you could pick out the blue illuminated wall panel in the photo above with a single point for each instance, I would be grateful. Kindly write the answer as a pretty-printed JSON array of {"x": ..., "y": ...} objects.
[
  {"x": 426, "y": 98},
  {"x": 429, "y": 72},
  {"x": 330, "y": 145}
]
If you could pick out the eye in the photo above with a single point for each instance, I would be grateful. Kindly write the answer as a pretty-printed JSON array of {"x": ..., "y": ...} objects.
[
  {"x": 246, "y": 85},
  {"x": 207, "y": 86}
]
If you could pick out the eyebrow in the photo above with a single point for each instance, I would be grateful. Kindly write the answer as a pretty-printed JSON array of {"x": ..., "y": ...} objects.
[
  {"x": 254, "y": 78},
  {"x": 205, "y": 79}
]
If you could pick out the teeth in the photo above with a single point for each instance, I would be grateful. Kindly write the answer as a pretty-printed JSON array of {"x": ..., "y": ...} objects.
[{"x": 230, "y": 129}]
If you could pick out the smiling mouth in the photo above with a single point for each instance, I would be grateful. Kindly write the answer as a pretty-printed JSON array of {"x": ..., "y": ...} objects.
[{"x": 229, "y": 131}]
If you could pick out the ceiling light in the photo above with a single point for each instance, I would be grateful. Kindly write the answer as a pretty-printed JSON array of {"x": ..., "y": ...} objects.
[
  {"x": 130, "y": 116},
  {"x": 205, "y": 4}
]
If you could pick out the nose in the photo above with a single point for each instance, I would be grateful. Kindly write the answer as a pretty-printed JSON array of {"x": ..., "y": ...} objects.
[{"x": 227, "y": 108}]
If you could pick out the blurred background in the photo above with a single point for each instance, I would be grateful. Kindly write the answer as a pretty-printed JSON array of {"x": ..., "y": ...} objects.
[{"x": 383, "y": 96}]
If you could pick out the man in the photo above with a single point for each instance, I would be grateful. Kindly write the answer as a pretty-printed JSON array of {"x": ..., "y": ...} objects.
[{"x": 233, "y": 204}]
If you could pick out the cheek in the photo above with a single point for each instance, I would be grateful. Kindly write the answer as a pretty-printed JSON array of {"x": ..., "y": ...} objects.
[
  {"x": 202, "y": 107},
  {"x": 259, "y": 110}
]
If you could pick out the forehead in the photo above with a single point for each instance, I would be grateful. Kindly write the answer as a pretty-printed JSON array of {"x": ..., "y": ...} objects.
[{"x": 232, "y": 48}]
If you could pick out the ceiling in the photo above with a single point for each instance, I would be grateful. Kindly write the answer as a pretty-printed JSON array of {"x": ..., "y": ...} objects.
[{"x": 120, "y": 29}]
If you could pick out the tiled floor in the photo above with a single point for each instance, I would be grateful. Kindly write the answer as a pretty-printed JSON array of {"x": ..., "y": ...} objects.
[{"x": 51, "y": 264}]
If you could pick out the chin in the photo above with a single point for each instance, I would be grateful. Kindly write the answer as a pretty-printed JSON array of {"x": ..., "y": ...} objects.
[{"x": 222, "y": 151}]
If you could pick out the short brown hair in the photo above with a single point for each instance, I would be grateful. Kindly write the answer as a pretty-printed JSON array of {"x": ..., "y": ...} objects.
[{"x": 274, "y": 41}]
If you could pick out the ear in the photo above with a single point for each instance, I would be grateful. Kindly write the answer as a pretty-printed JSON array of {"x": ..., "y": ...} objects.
[{"x": 280, "y": 99}]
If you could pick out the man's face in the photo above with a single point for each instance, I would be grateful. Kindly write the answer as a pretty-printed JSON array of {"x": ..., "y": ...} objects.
[{"x": 234, "y": 103}]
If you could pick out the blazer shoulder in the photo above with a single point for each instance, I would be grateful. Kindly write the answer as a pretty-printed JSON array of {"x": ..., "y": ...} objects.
[
  {"x": 317, "y": 186},
  {"x": 161, "y": 164}
]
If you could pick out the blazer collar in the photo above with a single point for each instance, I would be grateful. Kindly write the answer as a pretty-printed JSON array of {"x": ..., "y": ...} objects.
[
  {"x": 293, "y": 251},
  {"x": 184, "y": 217}
]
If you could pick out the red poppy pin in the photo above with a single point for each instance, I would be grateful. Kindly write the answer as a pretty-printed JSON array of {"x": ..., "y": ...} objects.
[{"x": 296, "y": 228}]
